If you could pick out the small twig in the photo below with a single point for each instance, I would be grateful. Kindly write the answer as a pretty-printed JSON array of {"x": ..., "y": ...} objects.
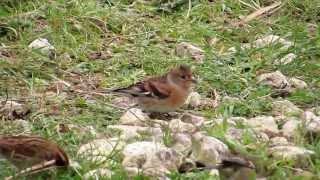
[
  {"x": 260, "y": 12},
  {"x": 189, "y": 9}
]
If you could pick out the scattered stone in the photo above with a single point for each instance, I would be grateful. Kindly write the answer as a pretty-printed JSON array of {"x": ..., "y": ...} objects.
[
  {"x": 193, "y": 100},
  {"x": 134, "y": 117},
  {"x": 286, "y": 59},
  {"x": 182, "y": 142},
  {"x": 231, "y": 122},
  {"x": 44, "y": 46},
  {"x": 312, "y": 122},
  {"x": 235, "y": 134},
  {"x": 297, "y": 83},
  {"x": 271, "y": 40},
  {"x": 153, "y": 159},
  {"x": 278, "y": 141},
  {"x": 285, "y": 108},
  {"x": 214, "y": 173},
  {"x": 275, "y": 79},
  {"x": 195, "y": 120},
  {"x": 25, "y": 125},
  {"x": 208, "y": 150},
  {"x": 290, "y": 153},
  {"x": 266, "y": 41},
  {"x": 265, "y": 124},
  {"x": 12, "y": 110},
  {"x": 289, "y": 129},
  {"x": 185, "y": 49},
  {"x": 123, "y": 102},
  {"x": 177, "y": 126},
  {"x": 95, "y": 174},
  {"x": 98, "y": 150},
  {"x": 134, "y": 132}
]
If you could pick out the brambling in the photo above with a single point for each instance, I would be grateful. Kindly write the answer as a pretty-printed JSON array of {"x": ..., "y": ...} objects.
[
  {"x": 34, "y": 153},
  {"x": 162, "y": 94}
]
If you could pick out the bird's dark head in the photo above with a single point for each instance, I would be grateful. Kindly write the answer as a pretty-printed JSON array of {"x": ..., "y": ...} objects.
[{"x": 182, "y": 76}]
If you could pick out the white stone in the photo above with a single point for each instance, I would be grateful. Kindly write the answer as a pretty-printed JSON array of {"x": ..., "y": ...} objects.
[
  {"x": 265, "y": 124},
  {"x": 289, "y": 129},
  {"x": 95, "y": 174},
  {"x": 208, "y": 150},
  {"x": 193, "y": 100},
  {"x": 278, "y": 141},
  {"x": 286, "y": 59},
  {"x": 270, "y": 40},
  {"x": 13, "y": 110},
  {"x": 134, "y": 132},
  {"x": 43, "y": 45},
  {"x": 297, "y": 83},
  {"x": 289, "y": 152},
  {"x": 177, "y": 126},
  {"x": 312, "y": 122},
  {"x": 182, "y": 142},
  {"x": 186, "y": 49},
  {"x": 25, "y": 125},
  {"x": 134, "y": 117},
  {"x": 273, "y": 79},
  {"x": 153, "y": 159},
  {"x": 286, "y": 108},
  {"x": 99, "y": 149},
  {"x": 197, "y": 121}
]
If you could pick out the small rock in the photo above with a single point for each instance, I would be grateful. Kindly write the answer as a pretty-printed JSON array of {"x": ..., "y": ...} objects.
[
  {"x": 177, "y": 126},
  {"x": 12, "y": 110},
  {"x": 134, "y": 132},
  {"x": 286, "y": 59},
  {"x": 214, "y": 173},
  {"x": 153, "y": 159},
  {"x": 182, "y": 142},
  {"x": 290, "y": 127},
  {"x": 99, "y": 149},
  {"x": 43, "y": 45},
  {"x": 134, "y": 117},
  {"x": 123, "y": 102},
  {"x": 235, "y": 134},
  {"x": 286, "y": 108},
  {"x": 265, "y": 124},
  {"x": 193, "y": 100},
  {"x": 297, "y": 83},
  {"x": 208, "y": 150},
  {"x": 278, "y": 141},
  {"x": 95, "y": 174},
  {"x": 290, "y": 153},
  {"x": 197, "y": 121},
  {"x": 270, "y": 40},
  {"x": 312, "y": 122},
  {"x": 275, "y": 79},
  {"x": 25, "y": 125},
  {"x": 185, "y": 49}
]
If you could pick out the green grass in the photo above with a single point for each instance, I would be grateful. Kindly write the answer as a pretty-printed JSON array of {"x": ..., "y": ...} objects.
[{"x": 137, "y": 36}]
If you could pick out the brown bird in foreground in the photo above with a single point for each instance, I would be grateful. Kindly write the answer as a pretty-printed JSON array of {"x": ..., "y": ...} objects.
[
  {"x": 33, "y": 153},
  {"x": 165, "y": 93}
]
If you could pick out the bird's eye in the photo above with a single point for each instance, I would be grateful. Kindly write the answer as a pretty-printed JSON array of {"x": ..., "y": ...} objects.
[{"x": 184, "y": 77}]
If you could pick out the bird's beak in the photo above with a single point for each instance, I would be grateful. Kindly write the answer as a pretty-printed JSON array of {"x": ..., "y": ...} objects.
[{"x": 194, "y": 80}]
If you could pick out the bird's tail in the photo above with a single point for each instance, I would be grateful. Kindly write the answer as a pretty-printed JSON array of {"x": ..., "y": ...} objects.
[{"x": 35, "y": 169}]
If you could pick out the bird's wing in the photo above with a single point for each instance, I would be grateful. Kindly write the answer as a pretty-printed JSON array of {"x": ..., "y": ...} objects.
[{"x": 154, "y": 88}]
